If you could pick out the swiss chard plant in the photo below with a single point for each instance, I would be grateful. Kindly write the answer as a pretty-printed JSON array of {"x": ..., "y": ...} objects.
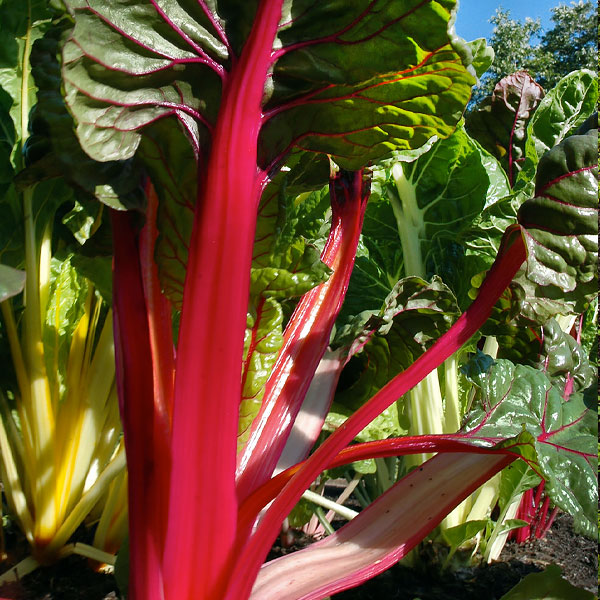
[
  {"x": 60, "y": 428},
  {"x": 242, "y": 116},
  {"x": 443, "y": 213}
]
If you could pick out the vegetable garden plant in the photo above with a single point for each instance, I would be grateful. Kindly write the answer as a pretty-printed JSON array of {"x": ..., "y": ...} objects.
[{"x": 253, "y": 156}]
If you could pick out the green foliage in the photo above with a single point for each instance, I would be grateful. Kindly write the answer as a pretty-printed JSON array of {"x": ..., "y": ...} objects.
[
  {"x": 514, "y": 398},
  {"x": 525, "y": 46},
  {"x": 499, "y": 123},
  {"x": 548, "y": 585},
  {"x": 12, "y": 282}
]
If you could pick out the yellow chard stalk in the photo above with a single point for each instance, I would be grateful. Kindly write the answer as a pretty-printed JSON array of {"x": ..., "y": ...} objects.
[{"x": 60, "y": 447}]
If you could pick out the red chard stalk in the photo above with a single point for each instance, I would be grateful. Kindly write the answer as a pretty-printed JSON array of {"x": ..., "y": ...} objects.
[
  {"x": 228, "y": 105},
  {"x": 306, "y": 336}
]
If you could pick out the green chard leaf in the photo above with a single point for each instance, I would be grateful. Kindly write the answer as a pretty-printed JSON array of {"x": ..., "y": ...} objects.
[
  {"x": 515, "y": 479},
  {"x": 551, "y": 350},
  {"x": 262, "y": 342},
  {"x": 53, "y": 149},
  {"x": 423, "y": 220},
  {"x": 548, "y": 585},
  {"x": 560, "y": 226},
  {"x": 561, "y": 223},
  {"x": 21, "y": 23},
  {"x": 517, "y": 398},
  {"x": 12, "y": 282},
  {"x": 416, "y": 313},
  {"x": 66, "y": 303},
  {"x": 561, "y": 112},
  {"x": 162, "y": 100},
  {"x": 499, "y": 124},
  {"x": 171, "y": 63},
  {"x": 171, "y": 68},
  {"x": 323, "y": 92},
  {"x": 172, "y": 166},
  {"x": 483, "y": 55},
  {"x": 286, "y": 264}
]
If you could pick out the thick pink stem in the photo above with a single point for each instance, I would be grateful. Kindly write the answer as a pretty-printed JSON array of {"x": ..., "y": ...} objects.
[
  {"x": 382, "y": 533},
  {"x": 512, "y": 255},
  {"x": 144, "y": 443},
  {"x": 306, "y": 337},
  {"x": 159, "y": 318},
  {"x": 203, "y": 502}
]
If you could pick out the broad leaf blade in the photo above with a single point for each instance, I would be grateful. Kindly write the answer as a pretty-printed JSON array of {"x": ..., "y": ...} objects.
[
  {"x": 548, "y": 585},
  {"x": 172, "y": 167},
  {"x": 21, "y": 23},
  {"x": 415, "y": 314},
  {"x": 335, "y": 66},
  {"x": 128, "y": 65},
  {"x": 483, "y": 55},
  {"x": 562, "y": 228},
  {"x": 68, "y": 292},
  {"x": 561, "y": 112},
  {"x": 500, "y": 124},
  {"x": 12, "y": 282},
  {"x": 517, "y": 397},
  {"x": 424, "y": 219},
  {"x": 53, "y": 148}
]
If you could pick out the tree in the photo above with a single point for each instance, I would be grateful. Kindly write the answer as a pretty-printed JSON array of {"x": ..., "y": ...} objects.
[
  {"x": 571, "y": 44},
  {"x": 548, "y": 56}
]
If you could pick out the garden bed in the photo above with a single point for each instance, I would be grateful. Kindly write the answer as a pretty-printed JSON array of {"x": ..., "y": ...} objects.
[{"x": 73, "y": 579}]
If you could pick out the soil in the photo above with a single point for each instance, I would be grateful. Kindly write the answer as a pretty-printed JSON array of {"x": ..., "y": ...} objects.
[
  {"x": 576, "y": 555},
  {"x": 74, "y": 579}
]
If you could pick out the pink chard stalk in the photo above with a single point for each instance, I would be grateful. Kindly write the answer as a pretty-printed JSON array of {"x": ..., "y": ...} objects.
[{"x": 259, "y": 88}]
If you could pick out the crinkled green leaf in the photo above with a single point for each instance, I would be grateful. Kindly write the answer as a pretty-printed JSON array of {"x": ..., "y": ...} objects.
[
  {"x": 295, "y": 202},
  {"x": 561, "y": 112},
  {"x": 516, "y": 398},
  {"x": 561, "y": 224},
  {"x": 68, "y": 292},
  {"x": 129, "y": 66},
  {"x": 262, "y": 342},
  {"x": 415, "y": 314},
  {"x": 172, "y": 167},
  {"x": 548, "y": 585},
  {"x": 12, "y": 282},
  {"x": 291, "y": 274},
  {"x": 81, "y": 219},
  {"x": 126, "y": 66},
  {"x": 459, "y": 534},
  {"x": 324, "y": 93},
  {"x": 476, "y": 251},
  {"x": 551, "y": 350},
  {"x": 21, "y": 23},
  {"x": 515, "y": 479},
  {"x": 483, "y": 55},
  {"x": 393, "y": 64},
  {"x": 53, "y": 148},
  {"x": 499, "y": 124},
  {"x": 417, "y": 224},
  {"x": 560, "y": 228}
]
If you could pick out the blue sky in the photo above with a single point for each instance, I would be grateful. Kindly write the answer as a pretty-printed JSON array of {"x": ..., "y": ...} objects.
[{"x": 473, "y": 15}]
